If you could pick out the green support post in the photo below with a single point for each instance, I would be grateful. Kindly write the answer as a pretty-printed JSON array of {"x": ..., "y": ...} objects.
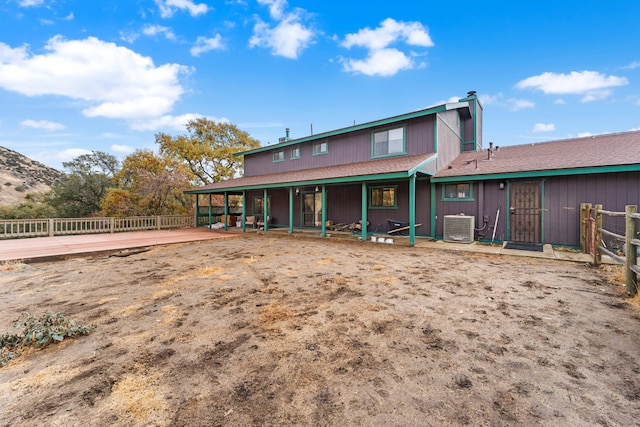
[
  {"x": 197, "y": 210},
  {"x": 265, "y": 210},
  {"x": 434, "y": 211},
  {"x": 210, "y": 211},
  {"x": 226, "y": 211},
  {"x": 412, "y": 210},
  {"x": 290, "y": 210},
  {"x": 364, "y": 211},
  {"x": 324, "y": 211},
  {"x": 244, "y": 211}
]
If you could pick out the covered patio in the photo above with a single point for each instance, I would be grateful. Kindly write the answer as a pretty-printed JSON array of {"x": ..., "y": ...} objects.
[{"x": 351, "y": 185}]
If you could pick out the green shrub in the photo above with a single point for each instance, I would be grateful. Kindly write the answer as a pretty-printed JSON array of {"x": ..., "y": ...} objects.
[{"x": 39, "y": 332}]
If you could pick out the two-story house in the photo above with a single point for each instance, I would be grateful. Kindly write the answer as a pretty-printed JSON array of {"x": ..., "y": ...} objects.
[
  {"x": 368, "y": 173},
  {"x": 428, "y": 170}
]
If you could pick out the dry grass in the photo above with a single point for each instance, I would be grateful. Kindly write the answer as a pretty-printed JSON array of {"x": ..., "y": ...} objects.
[{"x": 12, "y": 265}]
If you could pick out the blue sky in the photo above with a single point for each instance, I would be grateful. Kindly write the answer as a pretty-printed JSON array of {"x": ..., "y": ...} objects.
[{"x": 101, "y": 75}]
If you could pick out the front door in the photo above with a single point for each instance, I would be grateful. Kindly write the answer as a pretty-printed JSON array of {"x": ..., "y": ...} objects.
[
  {"x": 525, "y": 212},
  {"x": 312, "y": 209}
]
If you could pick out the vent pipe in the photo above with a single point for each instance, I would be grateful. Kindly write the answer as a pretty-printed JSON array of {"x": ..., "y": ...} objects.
[
  {"x": 471, "y": 93},
  {"x": 287, "y": 133}
]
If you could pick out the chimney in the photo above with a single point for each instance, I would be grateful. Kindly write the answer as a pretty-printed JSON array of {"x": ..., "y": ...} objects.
[
  {"x": 471, "y": 93},
  {"x": 287, "y": 133},
  {"x": 490, "y": 151}
]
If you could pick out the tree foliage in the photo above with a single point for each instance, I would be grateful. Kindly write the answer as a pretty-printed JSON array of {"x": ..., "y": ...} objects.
[
  {"x": 80, "y": 193},
  {"x": 208, "y": 149},
  {"x": 148, "y": 185},
  {"x": 35, "y": 205}
]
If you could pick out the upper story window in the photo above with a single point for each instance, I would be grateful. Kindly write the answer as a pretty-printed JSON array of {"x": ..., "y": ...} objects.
[
  {"x": 320, "y": 148},
  {"x": 295, "y": 152},
  {"x": 388, "y": 142},
  {"x": 278, "y": 156},
  {"x": 457, "y": 192}
]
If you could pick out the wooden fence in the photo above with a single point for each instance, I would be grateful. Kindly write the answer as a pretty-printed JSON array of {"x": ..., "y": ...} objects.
[
  {"x": 19, "y": 228},
  {"x": 592, "y": 240}
]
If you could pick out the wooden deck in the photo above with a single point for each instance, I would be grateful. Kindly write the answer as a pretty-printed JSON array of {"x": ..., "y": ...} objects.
[{"x": 51, "y": 248}]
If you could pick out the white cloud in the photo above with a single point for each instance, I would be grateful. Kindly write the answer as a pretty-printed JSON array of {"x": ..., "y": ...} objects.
[
  {"x": 542, "y": 127},
  {"x": 559, "y": 101},
  {"x": 632, "y": 66},
  {"x": 125, "y": 149},
  {"x": 69, "y": 154},
  {"x": 69, "y": 17},
  {"x": 389, "y": 31},
  {"x": 170, "y": 122},
  {"x": 169, "y": 7},
  {"x": 42, "y": 124},
  {"x": 383, "y": 60},
  {"x": 380, "y": 62},
  {"x": 584, "y": 134},
  {"x": 154, "y": 30},
  {"x": 512, "y": 104},
  {"x": 30, "y": 3},
  {"x": 288, "y": 38},
  {"x": 204, "y": 44},
  {"x": 590, "y": 84},
  {"x": 114, "y": 81},
  {"x": 276, "y": 7}
]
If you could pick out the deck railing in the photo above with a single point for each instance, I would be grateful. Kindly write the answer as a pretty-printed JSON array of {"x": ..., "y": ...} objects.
[{"x": 19, "y": 228}]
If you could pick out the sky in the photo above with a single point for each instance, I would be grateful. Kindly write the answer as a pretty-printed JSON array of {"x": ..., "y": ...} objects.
[{"x": 77, "y": 76}]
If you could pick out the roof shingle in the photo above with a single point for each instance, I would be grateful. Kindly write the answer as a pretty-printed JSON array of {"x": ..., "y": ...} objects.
[{"x": 594, "y": 151}]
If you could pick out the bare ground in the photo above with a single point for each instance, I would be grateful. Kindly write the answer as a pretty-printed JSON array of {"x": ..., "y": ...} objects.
[{"x": 282, "y": 331}]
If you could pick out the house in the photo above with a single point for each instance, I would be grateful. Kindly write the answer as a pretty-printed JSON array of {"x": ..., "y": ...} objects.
[
  {"x": 427, "y": 170},
  {"x": 538, "y": 188},
  {"x": 368, "y": 173}
]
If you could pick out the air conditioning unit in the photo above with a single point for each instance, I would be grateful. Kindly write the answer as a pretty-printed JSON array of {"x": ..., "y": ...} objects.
[{"x": 459, "y": 228}]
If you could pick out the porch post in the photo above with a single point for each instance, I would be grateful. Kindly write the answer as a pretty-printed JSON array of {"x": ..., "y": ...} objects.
[
  {"x": 324, "y": 211},
  {"x": 244, "y": 211},
  {"x": 210, "y": 211},
  {"x": 290, "y": 210},
  {"x": 364, "y": 211},
  {"x": 226, "y": 211},
  {"x": 412, "y": 210},
  {"x": 265, "y": 208},
  {"x": 433, "y": 210},
  {"x": 197, "y": 201}
]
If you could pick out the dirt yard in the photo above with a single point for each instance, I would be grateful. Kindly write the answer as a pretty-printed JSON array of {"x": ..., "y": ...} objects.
[{"x": 291, "y": 331}]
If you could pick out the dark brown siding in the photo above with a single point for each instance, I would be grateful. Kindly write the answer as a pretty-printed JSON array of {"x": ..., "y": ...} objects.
[
  {"x": 563, "y": 196},
  {"x": 347, "y": 148}
]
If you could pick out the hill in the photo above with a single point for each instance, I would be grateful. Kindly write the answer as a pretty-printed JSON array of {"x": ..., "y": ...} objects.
[{"x": 19, "y": 176}]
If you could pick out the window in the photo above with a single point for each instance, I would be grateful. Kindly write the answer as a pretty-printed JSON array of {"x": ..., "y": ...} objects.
[
  {"x": 388, "y": 142},
  {"x": 257, "y": 206},
  {"x": 295, "y": 152},
  {"x": 383, "y": 197},
  {"x": 320, "y": 148},
  {"x": 278, "y": 156},
  {"x": 457, "y": 192}
]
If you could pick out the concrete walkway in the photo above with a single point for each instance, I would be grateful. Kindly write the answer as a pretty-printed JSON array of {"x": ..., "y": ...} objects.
[{"x": 51, "y": 248}]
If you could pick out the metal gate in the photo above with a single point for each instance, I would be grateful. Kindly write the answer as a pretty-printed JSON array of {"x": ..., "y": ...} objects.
[{"x": 525, "y": 212}]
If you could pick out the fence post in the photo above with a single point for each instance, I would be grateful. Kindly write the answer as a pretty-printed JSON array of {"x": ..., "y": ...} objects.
[
  {"x": 112, "y": 224},
  {"x": 158, "y": 222},
  {"x": 51, "y": 230},
  {"x": 632, "y": 257},
  {"x": 585, "y": 226},
  {"x": 597, "y": 256}
]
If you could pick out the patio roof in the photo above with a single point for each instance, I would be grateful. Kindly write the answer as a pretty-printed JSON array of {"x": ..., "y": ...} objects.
[{"x": 389, "y": 168}]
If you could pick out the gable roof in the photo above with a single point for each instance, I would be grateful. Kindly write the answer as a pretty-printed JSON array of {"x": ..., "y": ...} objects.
[
  {"x": 387, "y": 168},
  {"x": 601, "y": 153},
  {"x": 462, "y": 104}
]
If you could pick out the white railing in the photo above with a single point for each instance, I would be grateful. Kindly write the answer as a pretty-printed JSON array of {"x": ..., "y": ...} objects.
[{"x": 18, "y": 228}]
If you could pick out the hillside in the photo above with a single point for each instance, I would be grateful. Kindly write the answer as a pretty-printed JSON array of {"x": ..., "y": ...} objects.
[{"x": 19, "y": 176}]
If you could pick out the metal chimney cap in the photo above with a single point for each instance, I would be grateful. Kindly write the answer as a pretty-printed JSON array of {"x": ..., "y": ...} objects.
[{"x": 471, "y": 93}]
